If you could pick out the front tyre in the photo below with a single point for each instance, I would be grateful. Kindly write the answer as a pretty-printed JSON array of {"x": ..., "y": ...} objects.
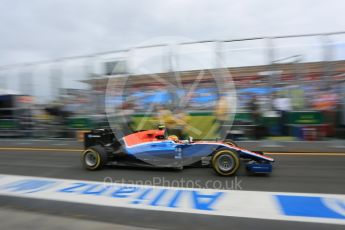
[
  {"x": 94, "y": 158},
  {"x": 225, "y": 162}
]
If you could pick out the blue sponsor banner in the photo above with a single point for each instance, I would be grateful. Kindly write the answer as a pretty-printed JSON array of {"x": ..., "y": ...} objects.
[
  {"x": 321, "y": 208},
  {"x": 29, "y": 185},
  {"x": 165, "y": 197},
  {"x": 311, "y": 206}
]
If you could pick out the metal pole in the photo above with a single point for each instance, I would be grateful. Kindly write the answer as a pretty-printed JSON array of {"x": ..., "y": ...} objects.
[
  {"x": 25, "y": 82},
  {"x": 218, "y": 55},
  {"x": 3, "y": 80},
  {"x": 56, "y": 80},
  {"x": 327, "y": 60},
  {"x": 270, "y": 62},
  {"x": 175, "y": 78},
  {"x": 271, "y": 68},
  {"x": 89, "y": 70},
  {"x": 219, "y": 66}
]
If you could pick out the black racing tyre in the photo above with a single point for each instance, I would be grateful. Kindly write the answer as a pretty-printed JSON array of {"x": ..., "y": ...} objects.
[
  {"x": 225, "y": 162},
  {"x": 230, "y": 142},
  {"x": 94, "y": 158}
]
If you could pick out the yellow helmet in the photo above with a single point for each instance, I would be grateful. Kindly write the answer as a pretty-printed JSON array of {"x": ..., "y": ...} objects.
[{"x": 173, "y": 138}]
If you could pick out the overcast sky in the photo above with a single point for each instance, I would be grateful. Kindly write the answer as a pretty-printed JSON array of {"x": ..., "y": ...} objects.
[{"x": 34, "y": 30}]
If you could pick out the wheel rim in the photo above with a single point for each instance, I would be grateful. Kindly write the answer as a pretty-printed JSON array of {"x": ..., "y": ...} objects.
[
  {"x": 225, "y": 163},
  {"x": 91, "y": 158}
]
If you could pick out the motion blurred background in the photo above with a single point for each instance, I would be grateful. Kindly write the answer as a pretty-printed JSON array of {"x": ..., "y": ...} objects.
[{"x": 286, "y": 63}]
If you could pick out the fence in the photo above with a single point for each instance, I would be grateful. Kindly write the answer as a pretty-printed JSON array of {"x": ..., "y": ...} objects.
[{"x": 268, "y": 61}]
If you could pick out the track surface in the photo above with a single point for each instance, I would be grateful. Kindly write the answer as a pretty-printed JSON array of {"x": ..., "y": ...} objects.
[{"x": 310, "y": 174}]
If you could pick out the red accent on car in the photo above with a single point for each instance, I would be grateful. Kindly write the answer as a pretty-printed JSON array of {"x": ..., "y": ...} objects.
[{"x": 143, "y": 137}]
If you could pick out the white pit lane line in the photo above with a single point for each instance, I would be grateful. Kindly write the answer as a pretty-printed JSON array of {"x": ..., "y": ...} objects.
[{"x": 305, "y": 207}]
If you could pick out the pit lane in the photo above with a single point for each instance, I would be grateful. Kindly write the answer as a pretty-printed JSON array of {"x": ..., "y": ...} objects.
[
  {"x": 296, "y": 173},
  {"x": 307, "y": 173}
]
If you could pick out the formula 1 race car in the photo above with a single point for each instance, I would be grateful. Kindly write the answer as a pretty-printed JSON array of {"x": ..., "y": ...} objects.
[{"x": 155, "y": 148}]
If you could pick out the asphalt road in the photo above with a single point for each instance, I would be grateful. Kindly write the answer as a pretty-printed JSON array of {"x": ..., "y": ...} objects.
[
  {"x": 301, "y": 173},
  {"x": 310, "y": 174}
]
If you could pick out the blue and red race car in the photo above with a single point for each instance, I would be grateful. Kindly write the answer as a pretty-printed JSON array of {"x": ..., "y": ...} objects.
[{"x": 155, "y": 148}]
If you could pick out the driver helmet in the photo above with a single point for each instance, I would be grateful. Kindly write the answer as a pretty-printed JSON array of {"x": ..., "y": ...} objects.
[{"x": 173, "y": 138}]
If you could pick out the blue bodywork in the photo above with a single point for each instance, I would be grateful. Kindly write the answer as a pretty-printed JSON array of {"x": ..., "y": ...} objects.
[
  {"x": 167, "y": 153},
  {"x": 256, "y": 167}
]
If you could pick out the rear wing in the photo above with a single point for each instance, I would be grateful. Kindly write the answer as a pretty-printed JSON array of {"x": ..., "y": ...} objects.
[{"x": 99, "y": 137}]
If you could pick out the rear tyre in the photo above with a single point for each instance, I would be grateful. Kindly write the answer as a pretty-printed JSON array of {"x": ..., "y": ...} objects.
[
  {"x": 225, "y": 162},
  {"x": 94, "y": 158}
]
